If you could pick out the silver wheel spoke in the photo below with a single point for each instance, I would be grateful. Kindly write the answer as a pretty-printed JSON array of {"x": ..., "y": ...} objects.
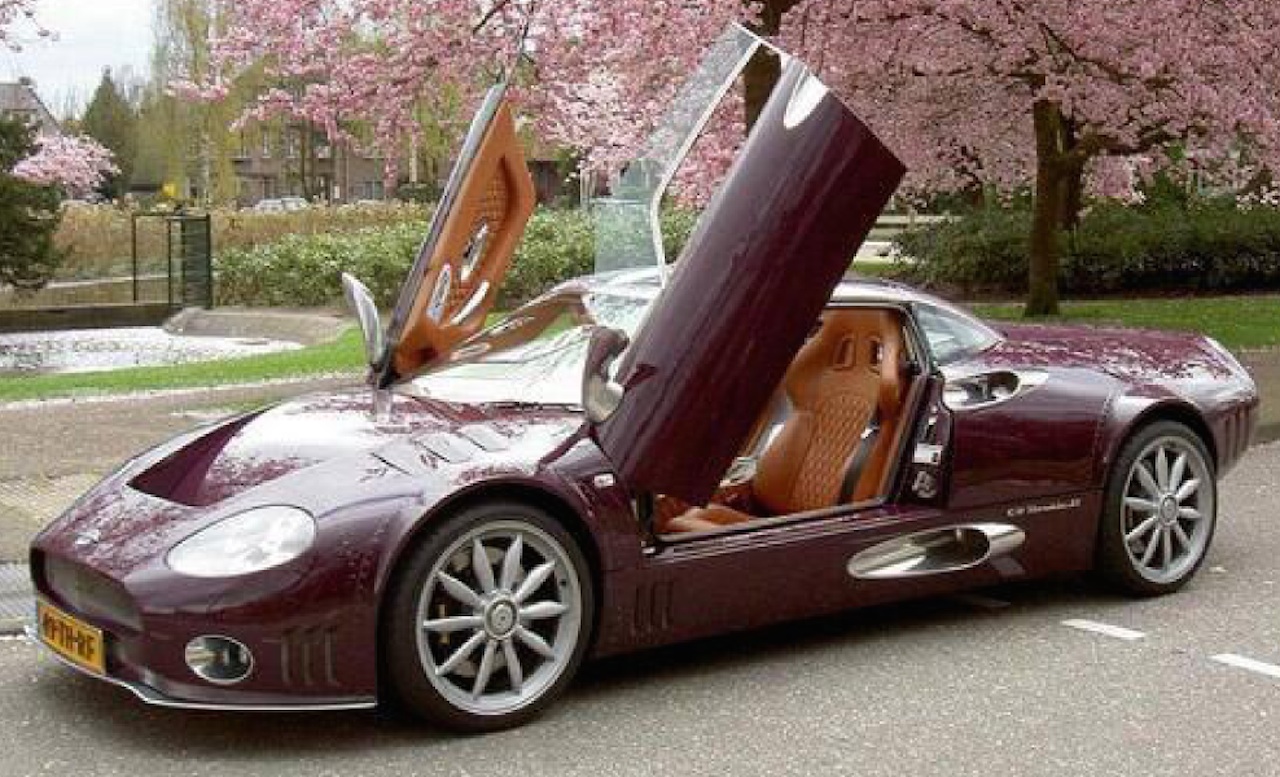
[
  {"x": 537, "y": 576},
  {"x": 1166, "y": 537},
  {"x": 461, "y": 654},
  {"x": 514, "y": 671},
  {"x": 1187, "y": 489},
  {"x": 454, "y": 623},
  {"x": 1150, "y": 551},
  {"x": 1190, "y": 513},
  {"x": 511, "y": 564},
  {"x": 459, "y": 590},
  {"x": 1148, "y": 482},
  {"x": 486, "y": 668},
  {"x": 1181, "y": 534},
  {"x": 542, "y": 610},
  {"x": 1162, "y": 469},
  {"x": 1142, "y": 529},
  {"x": 536, "y": 644},
  {"x": 1140, "y": 504},
  {"x": 481, "y": 567},
  {"x": 1178, "y": 472}
]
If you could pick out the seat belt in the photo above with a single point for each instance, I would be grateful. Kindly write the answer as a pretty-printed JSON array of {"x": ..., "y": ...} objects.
[{"x": 861, "y": 455}]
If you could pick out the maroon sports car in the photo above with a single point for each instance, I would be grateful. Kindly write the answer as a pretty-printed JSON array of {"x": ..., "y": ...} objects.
[{"x": 655, "y": 453}]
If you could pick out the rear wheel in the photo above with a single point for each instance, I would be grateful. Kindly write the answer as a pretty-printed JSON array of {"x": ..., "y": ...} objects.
[
  {"x": 1160, "y": 511},
  {"x": 488, "y": 619}
]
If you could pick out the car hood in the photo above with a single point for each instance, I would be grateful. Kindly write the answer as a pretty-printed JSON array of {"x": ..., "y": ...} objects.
[
  {"x": 323, "y": 453},
  {"x": 300, "y": 434}
]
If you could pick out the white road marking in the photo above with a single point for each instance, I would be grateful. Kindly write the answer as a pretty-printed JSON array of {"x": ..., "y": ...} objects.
[
  {"x": 1248, "y": 664},
  {"x": 981, "y": 602},
  {"x": 1105, "y": 629}
]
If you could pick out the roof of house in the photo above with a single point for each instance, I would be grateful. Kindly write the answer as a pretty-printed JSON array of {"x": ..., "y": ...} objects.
[{"x": 20, "y": 99}]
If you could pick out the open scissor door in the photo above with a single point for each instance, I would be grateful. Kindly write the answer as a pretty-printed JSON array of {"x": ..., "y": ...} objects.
[{"x": 474, "y": 234}]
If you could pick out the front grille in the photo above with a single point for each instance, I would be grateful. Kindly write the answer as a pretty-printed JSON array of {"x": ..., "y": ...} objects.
[
  {"x": 88, "y": 593},
  {"x": 307, "y": 657}
]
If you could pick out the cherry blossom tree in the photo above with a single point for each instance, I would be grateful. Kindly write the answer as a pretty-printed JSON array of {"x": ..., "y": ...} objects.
[
  {"x": 1062, "y": 95},
  {"x": 1055, "y": 94},
  {"x": 78, "y": 165},
  {"x": 14, "y": 12},
  {"x": 997, "y": 91}
]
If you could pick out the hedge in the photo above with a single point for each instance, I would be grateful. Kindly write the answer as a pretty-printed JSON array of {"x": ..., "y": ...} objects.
[
  {"x": 1209, "y": 247},
  {"x": 304, "y": 270}
]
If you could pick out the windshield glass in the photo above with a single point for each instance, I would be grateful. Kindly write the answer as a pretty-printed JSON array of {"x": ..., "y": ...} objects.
[
  {"x": 536, "y": 354},
  {"x": 951, "y": 335},
  {"x": 628, "y": 233}
]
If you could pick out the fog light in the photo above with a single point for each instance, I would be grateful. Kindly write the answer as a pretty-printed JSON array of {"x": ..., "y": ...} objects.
[{"x": 219, "y": 660}]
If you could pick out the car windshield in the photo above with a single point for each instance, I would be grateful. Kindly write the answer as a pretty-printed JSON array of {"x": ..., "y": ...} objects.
[{"x": 536, "y": 354}]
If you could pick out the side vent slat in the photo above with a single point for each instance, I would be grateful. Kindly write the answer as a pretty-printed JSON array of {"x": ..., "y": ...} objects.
[
  {"x": 651, "y": 613},
  {"x": 307, "y": 657}
]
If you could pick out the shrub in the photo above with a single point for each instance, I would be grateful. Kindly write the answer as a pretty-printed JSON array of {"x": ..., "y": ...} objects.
[
  {"x": 98, "y": 238},
  {"x": 304, "y": 270},
  {"x": 1211, "y": 246}
]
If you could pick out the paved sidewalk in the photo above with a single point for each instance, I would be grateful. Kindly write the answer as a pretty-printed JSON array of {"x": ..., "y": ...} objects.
[{"x": 15, "y": 597}]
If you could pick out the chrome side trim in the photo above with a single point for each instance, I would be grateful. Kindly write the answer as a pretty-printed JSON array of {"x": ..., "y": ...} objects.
[
  {"x": 154, "y": 698},
  {"x": 936, "y": 551}
]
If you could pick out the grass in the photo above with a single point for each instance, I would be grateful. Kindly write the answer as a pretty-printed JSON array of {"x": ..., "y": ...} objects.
[
  {"x": 1239, "y": 322},
  {"x": 345, "y": 354}
]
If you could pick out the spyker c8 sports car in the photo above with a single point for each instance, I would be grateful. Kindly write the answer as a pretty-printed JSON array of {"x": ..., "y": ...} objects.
[{"x": 658, "y": 452}]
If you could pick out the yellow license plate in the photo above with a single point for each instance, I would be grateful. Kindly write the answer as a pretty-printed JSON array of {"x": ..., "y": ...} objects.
[{"x": 78, "y": 642}]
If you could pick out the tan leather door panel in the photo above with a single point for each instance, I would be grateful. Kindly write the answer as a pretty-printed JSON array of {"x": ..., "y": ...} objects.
[{"x": 459, "y": 280}]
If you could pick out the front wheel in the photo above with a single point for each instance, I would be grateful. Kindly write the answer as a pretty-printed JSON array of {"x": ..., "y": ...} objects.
[
  {"x": 489, "y": 618},
  {"x": 1160, "y": 511}
]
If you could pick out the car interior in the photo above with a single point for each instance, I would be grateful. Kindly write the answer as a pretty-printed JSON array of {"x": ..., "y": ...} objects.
[{"x": 830, "y": 437}]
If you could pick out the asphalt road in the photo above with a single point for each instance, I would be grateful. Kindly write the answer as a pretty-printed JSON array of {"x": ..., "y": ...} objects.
[{"x": 989, "y": 685}]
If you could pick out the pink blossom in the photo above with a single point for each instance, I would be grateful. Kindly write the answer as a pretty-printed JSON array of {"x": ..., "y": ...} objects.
[
  {"x": 77, "y": 164},
  {"x": 950, "y": 84}
]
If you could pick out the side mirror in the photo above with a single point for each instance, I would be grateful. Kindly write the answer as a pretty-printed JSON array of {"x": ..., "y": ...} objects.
[
  {"x": 601, "y": 394},
  {"x": 360, "y": 300}
]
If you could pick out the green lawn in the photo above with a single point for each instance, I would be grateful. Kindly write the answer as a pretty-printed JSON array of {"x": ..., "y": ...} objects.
[
  {"x": 346, "y": 354},
  {"x": 1237, "y": 322}
]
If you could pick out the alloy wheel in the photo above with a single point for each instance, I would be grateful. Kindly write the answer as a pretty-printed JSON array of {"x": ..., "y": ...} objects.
[
  {"x": 1168, "y": 510},
  {"x": 499, "y": 618}
]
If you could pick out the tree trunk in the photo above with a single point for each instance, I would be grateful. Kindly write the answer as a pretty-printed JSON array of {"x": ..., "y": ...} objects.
[
  {"x": 759, "y": 78},
  {"x": 1072, "y": 180},
  {"x": 764, "y": 70},
  {"x": 1042, "y": 278},
  {"x": 1072, "y": 197}
]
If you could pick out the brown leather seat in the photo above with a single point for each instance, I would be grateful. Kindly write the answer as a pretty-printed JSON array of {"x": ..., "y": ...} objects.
[{"x": 851, "y": 371}]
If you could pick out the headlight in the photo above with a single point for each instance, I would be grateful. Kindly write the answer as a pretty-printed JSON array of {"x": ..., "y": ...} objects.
[{"x": 251, "y": 541}]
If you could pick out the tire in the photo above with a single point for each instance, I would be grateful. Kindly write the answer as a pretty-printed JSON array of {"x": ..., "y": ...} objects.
[
  {"x": 451, "y": 629},
  {"x": 1157, "y": 525}
]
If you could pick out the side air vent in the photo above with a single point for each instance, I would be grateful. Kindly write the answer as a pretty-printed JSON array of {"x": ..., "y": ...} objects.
[
  {"x": 936, "y": 551},
  {"x": 652, "y": 613}
]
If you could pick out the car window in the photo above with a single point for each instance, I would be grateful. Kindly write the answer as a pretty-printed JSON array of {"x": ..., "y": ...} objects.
[{"x": 953, "y": 335}]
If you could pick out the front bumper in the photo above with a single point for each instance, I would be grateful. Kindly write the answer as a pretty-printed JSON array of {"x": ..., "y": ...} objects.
[
  {"x": 155, "y": 698},
  {"x": 310, "y": 651}
]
